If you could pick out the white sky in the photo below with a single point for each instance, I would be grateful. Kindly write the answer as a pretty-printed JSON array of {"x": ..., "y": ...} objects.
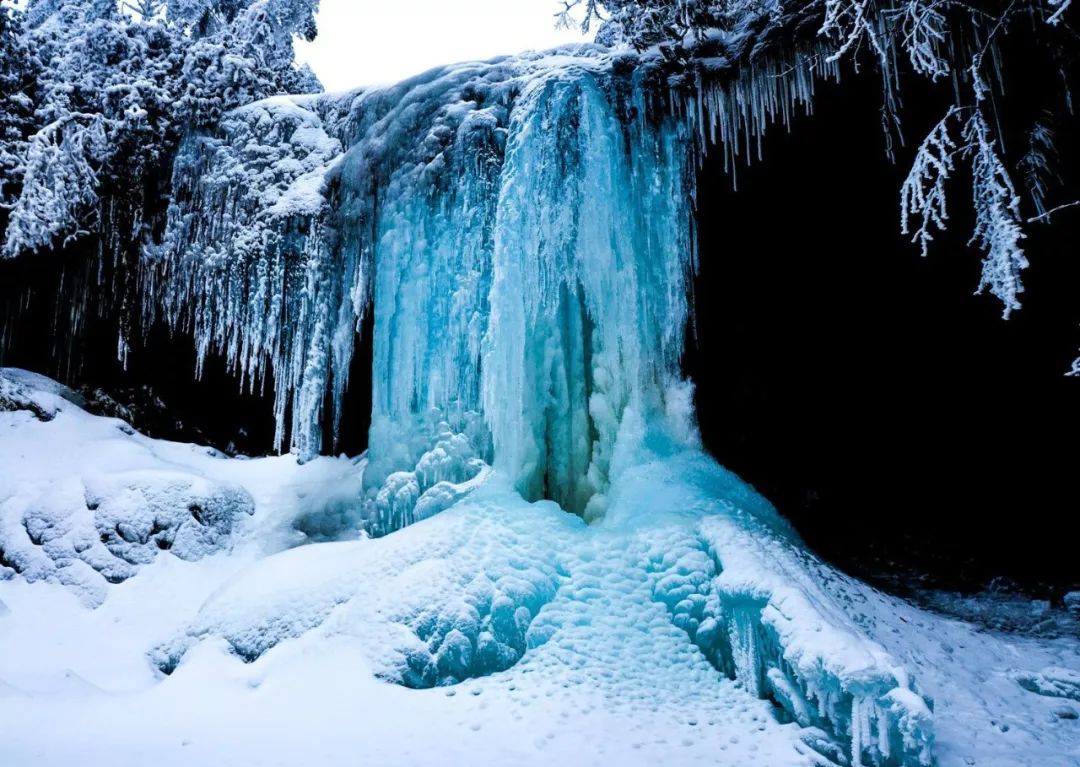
[{"x": 364, "y": 42}]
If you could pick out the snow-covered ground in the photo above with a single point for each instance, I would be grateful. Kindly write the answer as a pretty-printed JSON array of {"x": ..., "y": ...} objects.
[{"x": 138, "y": 630}]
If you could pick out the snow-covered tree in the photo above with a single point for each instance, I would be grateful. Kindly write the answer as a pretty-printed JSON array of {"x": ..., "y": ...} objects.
[
  {"x": 17, "y": 89},
  {"x": 104, "y": 97},
  {"x": 119, "y": 84},
  {"x": 60, "y": 183},
  {"x": 241, "y": 52}
]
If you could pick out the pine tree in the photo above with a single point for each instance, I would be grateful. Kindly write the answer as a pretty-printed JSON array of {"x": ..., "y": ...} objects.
[
  {"x": 17, "y": 90},
  {"x": 117, "y": 86}
]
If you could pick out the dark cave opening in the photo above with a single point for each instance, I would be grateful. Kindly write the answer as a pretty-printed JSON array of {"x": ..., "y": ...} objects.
[
  {"x": 156, "y": 389},
  {"x": 912, "y": 435}
]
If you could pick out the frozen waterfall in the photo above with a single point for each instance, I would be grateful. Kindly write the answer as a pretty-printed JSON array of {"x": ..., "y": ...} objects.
[{"x": 522, "y": 230}]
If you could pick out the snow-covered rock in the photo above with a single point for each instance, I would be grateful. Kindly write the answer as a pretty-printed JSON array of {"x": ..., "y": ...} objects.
[{"x": 86, "y": 501}]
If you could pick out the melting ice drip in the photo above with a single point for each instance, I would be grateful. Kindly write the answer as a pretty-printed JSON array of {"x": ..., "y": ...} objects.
[{"x": 523, "y": 231}]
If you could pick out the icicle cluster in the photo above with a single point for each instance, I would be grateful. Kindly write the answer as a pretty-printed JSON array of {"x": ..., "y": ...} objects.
[
  {"x": 523, "y": 229},
  {"x": 734, "y": 111},
  {"x": 250, "y": 264}
]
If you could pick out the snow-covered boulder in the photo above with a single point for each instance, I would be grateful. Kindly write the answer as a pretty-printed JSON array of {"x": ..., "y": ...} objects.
[
  {"x": 84, "y": 502},
  {"x": 448, "y": 601}
]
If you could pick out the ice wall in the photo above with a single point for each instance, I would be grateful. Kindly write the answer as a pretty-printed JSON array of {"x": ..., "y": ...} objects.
[{"x": 523, "y": 231}]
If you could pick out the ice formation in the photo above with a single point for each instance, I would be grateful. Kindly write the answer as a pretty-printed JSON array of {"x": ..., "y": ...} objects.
[
  {"x": 685, "y": 552},
  {"x": 522, "y": 231}
]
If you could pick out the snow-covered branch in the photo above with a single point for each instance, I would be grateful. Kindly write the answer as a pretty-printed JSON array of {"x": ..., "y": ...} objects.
[
  {"x": 60, "y": 183},
  {"x": 997, "y": 206},
  {"x": 848, "y": 23},
  {"x": 924, "y": 33},
  {"x": 1059, "y": 6},
  {"x": 997, "y": 216},
  {"x": 1056, "y": 209},
  {"x": 922, "y": 195}
]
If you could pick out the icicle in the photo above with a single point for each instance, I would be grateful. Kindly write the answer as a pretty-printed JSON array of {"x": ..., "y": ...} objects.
[{"x": 738, "y": 108}]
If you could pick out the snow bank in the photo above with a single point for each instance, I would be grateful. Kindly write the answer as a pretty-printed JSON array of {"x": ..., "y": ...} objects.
[
  {"x": 688, "y": 625},
  {"x": 85, "y": 501},
  {"x": 686, "y": 552},
  {"x": 450, "y": 601}
]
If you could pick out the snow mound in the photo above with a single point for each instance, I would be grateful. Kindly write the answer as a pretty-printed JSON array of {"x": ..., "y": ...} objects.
[
  {"x": 452, "y": 600},
  {"x": 20, "y": 390},
  {"x": 83, "y": 503},
  {"x": 690, "y": 573},
  {"x": 88, "y": 529},
  {"x": 1051, "y": 682},
  {"x": 79, "y": 533}
]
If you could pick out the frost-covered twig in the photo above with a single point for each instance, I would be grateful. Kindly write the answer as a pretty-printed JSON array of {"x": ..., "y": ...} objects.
[
  {"x": 1046, "y": 216},
  {"x": 923, "y": 25},
  {"x": 590, "y": 11},
  {"x": 1060, "y": 6},
  {"x": 923, "y": 192},
  {"x": 1038, "y": 165},
  {"x": 849, "y": 21},
  {"x": 997, "y": 216},
  {"x": 997, "y": 206},
  {"x": 978, "y": 85}
]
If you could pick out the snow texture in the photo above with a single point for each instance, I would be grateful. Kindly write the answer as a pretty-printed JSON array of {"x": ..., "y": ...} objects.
[
  {"x": 85, "y": 501},
  {"x": 688, "y": 625}
]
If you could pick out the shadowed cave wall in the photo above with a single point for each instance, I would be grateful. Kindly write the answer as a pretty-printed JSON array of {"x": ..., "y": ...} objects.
[
  {"x": 158, "y": 384},
  {"x": 892, "y": 415}
]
